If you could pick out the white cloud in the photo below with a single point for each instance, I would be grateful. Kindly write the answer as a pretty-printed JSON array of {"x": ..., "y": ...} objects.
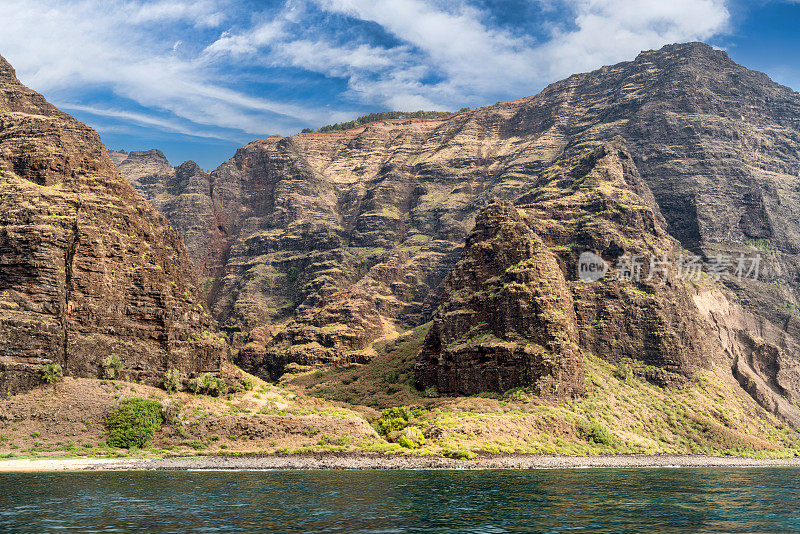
[
  {"x": 476, "y": 58},
  {"x": 170, "y": 57},
  {"x": 609, "y": 31},
  {"x": 248, "y": 42},
  {"x": 143, "y": 119},
  {"x": 67, "y": 48},
  {"x": 202, "y": 13}
]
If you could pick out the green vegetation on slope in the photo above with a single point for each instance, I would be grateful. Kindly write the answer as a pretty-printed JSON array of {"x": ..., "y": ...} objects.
[
  {"x": 382, "y": 116},
  {"x": 374, "y": 407},
  {"x": 385, "y": 382},
  {"x": 621, "y": 413},
  {"x": 134, "y": 423}
]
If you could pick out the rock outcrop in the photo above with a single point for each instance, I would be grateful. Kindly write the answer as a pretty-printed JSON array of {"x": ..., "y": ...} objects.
[
  {"x": 507, "y": 318},
  {"x": 515, "y": 313},
  {"x": 90, "y": 275}
]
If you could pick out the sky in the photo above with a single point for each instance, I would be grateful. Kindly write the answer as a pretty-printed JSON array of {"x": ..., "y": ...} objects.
[{"x": 200, "y": 78}]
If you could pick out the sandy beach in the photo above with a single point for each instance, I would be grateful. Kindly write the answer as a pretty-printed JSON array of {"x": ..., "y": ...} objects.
[{"x": 380, "y": 462}]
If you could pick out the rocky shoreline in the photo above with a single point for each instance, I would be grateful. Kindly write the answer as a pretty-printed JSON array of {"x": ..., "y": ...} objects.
[{"x": 357, "y": 461}]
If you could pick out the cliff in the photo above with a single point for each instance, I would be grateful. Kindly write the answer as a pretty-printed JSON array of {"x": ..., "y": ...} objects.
[
  {"x": 515, "y": 313},
  {"x": 334, "y": 240},
  {"x": 184, "y": 195},
  {"x": 88, "y": 270}
]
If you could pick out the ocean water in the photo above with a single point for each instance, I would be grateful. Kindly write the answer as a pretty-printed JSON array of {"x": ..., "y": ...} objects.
[{"x": 573, "y": 501}]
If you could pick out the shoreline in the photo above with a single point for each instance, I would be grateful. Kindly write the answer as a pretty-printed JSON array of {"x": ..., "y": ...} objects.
[{"x": 365, "y": 461}]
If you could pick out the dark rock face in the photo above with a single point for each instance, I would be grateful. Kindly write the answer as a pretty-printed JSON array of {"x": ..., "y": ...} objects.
[
  {"x": 507, "y": 318},
  {"x": 87, "y": 268},
  {"x": 516, "y": 290},
  {"x": 333, "y": 240}
]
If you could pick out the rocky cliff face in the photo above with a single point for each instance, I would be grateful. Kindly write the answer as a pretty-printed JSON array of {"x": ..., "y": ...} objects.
[
  {"x": 87, "y": 269},
  {"x": 183, "y": 195},
  {"x": 515, "y": 313},
  {"x": 507, "y": 317},
  {"x": 336, "y": 239}
]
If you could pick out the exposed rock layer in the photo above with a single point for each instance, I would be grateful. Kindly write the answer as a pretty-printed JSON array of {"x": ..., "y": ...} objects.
[
  {"x": 183, "y": 195},
  {"x": 336, "y": 239},
  {"x": 514, "y": 312},
  {"x": 88, "y": 270}
]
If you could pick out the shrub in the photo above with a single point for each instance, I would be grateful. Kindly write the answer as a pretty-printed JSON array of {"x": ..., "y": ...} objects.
[
  {"x": 431, "y": 392},
  {"x": 172, "y": 380},
  {"x": 411, "y": 438},
  {"x": 194, "y": 385},
  {"x": 458, "y": 454},
  {"x": 243, "y": 383},
  {"x": 622, "y": 371},
  {"x": 248, "y": 383},
  {"x": 394, "y": 425},
  {"x": 51, "y": 372},
  {"x": 595, "y": 432},
  {"x": 208, "y": 384},
  {"x": 170, "y": 411},
  {"x": 133, "y": 423},
  {"x": 383, "y": 115},
  {"x": 111, "y": 366},
  {"x": 214, "y": 386},
  {"x": 394, "y": 419},
  {"x": 292, "y": 274}
]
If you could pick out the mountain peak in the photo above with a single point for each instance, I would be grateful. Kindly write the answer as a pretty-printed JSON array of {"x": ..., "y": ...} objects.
[
  {"x": 691, "y": 50},
  {"x": 6, "y": 70},
  {"x": 189, "y": 166},
  {"x": 152, "y": 154}
]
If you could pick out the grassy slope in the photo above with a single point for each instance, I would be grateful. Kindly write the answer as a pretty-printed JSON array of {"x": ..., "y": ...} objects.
[
  {"x": 331, "y": 410},
  {"x": 619, "y": 414}
]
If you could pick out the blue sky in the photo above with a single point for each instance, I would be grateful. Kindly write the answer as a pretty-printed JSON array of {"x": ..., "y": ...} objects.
[{"x": 199, "y": 78}]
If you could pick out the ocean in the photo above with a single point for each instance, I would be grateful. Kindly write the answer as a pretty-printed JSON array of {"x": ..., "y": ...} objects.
[{"x": 496, "y": 501}]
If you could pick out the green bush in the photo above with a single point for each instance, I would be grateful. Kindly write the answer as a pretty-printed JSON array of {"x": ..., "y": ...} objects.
[
  {"x": 411, "y": 437},
  {"x": 172, "y": 380},
  {"x": 208, "y": 384},
  {"x": 292, "y": 274},
  {"x": 111, "y": 366},
  {"x": 195, "y": 385},
  {"x": 51, "y": 372},
  {"x": 248, "y": 383},
  {"x": 133, "y": 423},
  {"x": 595, "y": 432},
  {"x": 394, "y": 419},
  {"x": 214, "y": 386},
  {"x": 384, "y": 115},
  {"x": 622, "y": 371},
  {"x": 243, "y": 384},
  {"x": 394, "y": 425},
  {"x": 459, "y": 454}
]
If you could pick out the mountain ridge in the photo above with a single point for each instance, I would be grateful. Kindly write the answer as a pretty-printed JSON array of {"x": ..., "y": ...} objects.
[
  {"x": 334, "y": 240},
  {"x": 414, "y": 287}
]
